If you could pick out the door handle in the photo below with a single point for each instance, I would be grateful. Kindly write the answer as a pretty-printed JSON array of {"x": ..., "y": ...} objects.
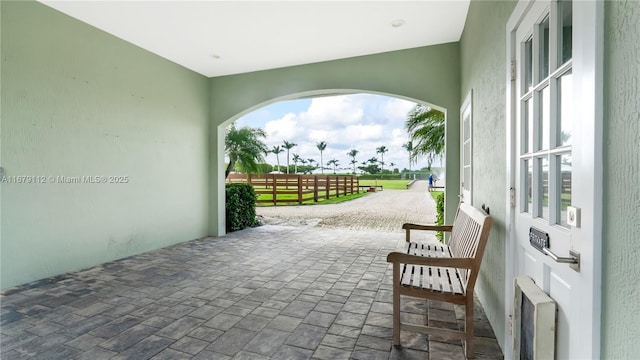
[{"x": 573, "y": 260}]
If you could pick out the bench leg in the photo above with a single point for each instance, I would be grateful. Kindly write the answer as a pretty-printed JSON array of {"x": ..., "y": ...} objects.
[
  {"x": 396, "y": 304},
  {"x": 468, "y": 327}
]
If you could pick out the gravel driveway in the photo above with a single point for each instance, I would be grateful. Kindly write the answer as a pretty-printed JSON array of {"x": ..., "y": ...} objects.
[{"x": 383, "y": 210}]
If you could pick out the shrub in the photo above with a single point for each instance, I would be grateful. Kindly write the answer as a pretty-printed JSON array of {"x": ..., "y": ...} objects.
[
  {"x": 440, "y": 214},
  {"x": 240, "y": 206},
  {"x": 380, "y": 177}
]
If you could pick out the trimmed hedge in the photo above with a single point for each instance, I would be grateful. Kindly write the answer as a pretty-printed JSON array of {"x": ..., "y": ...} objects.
[
  {"x": 240, "y": 206},
  {"x": 440, "y": 215},
  {"x": 380, "y": 177}
]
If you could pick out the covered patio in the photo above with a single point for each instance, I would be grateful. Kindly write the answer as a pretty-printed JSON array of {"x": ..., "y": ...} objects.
[
  {"x": 279, "y": 292},
  {"x": 82, "y": 100}
]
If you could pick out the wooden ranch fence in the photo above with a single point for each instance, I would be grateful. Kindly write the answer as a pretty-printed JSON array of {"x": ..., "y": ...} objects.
[{"x": 298, "y": 188}]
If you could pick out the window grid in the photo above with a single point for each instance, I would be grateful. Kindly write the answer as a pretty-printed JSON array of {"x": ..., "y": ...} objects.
[{"x": 545, "y": 116}]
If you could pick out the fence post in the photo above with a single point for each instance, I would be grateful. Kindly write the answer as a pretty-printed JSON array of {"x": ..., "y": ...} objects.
[
  {"x": 315, "y": 188},
  {"x": 275, "y": 190},
  {"x": 344, "y": 185},
  {"x": 327, "y": 187},
  {"x": 299, "y": 190}
]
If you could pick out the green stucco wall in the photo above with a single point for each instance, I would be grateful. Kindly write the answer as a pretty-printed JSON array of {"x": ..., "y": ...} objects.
[
  {"x": 427, "y": 74},
  {"x": 483, "y": 67},
  {"x": 79, "y": 102},
  {"x": 621, "y": 233}
]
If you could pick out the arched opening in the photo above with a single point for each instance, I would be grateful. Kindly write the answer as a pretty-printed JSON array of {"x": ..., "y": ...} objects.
[
  {"x": 427, "y": 75},
  {"x": 296, "y": 96}
]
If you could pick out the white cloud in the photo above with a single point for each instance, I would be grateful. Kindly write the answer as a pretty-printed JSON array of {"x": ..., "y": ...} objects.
[
  {"x": 284, "y": 128},
  {"x": 396, "y": 110},
  {"x": 360, "y": 121},
  {"x": 332, "y": 112}
]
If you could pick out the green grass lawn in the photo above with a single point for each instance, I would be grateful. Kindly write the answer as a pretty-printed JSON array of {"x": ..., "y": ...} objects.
[
  {"x": 387, "y": 184},
  {"x": 321, "y": 198},
  {"x": 434, "y": 194}
]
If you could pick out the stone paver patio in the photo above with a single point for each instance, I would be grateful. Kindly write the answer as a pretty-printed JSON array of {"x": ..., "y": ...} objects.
[{"x": 272, "y": 292}]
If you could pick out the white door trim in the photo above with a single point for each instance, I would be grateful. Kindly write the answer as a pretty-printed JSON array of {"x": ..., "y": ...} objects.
[
  {"x": 467, "y": 104},
  {"x": 588, "y": 62}
]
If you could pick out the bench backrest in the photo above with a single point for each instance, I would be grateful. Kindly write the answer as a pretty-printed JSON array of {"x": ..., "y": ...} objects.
[{"x": 469, "y": 238}]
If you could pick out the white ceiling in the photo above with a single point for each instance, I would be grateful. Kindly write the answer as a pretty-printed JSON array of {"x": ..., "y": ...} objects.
[{"x": 217, "y": 38}]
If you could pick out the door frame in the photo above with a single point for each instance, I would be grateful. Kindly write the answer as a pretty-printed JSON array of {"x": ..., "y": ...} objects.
[{"x": 588, "y": 65}]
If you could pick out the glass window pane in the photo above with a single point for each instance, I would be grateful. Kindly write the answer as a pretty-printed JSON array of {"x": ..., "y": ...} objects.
[
  {"x": 527, "y": 127},
  {"x": 565, "y": 122},
  {"x": 544, "y": 123},
  {"x": 543, "y": 46},
  {"x": 565, "y": 10},
  {"x": 527, "y": 170},
  {"x": 528, "y": 65},
  {"x": 467, "y": 153},
  {"x": 543, "y": 187},
  {"x": 467, "y": 128},
  {"x": 564, "y": 169},
  {"x": 467, "y": 178}
]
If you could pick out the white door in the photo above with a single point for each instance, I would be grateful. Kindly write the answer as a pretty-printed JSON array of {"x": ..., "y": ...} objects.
[
  {"x": 466, "y": 151},
  {"x": 547, "y": 142}
]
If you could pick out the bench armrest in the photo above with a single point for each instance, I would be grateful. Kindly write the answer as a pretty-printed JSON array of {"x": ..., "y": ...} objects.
[
  {"x": 398, "y": 257},
  {"x": 409, "y": 226}
]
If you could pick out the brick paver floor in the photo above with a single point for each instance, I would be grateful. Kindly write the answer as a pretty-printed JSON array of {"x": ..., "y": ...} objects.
[{"x": 271, "y": 292}]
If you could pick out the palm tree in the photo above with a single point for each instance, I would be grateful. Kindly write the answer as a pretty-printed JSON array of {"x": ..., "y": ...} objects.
[
  {"x": 288, "y": 145},
  {"x": 335, "y": 163},
  {"x": 353, "y": 163},
  {"x": 409, "y": 147},
  {"x": 277, "y": 150},
  {"x": 372, "y": 167},
  {"x": 245, "y": 148},
  {"x": 321, "y": 146},
  {"x": 352, "y": 153},
  {"x": 426, "y": 129},
  {"x": 311, "y": 168},
  {"x": 296, "y": 159},
  {"x": 381, "y": 150}
]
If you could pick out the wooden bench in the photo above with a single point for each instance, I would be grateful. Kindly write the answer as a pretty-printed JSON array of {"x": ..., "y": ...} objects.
[{"x": 441, "y": 272}]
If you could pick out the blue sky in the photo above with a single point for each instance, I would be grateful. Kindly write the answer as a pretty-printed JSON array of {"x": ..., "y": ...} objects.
[{"x": 360, "y": 121}]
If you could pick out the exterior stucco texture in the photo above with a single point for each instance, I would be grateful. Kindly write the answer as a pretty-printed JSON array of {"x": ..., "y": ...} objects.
[
  {"x": 78, "y": 104},
  {"x": 621, "y": 249},
  {"x": 483, "y": 49}
]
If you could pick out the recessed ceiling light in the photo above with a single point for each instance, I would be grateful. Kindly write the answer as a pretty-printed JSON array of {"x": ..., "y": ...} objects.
[
  {"x": 215, "y": 56},
  {"x": 397, "y": 23}
]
